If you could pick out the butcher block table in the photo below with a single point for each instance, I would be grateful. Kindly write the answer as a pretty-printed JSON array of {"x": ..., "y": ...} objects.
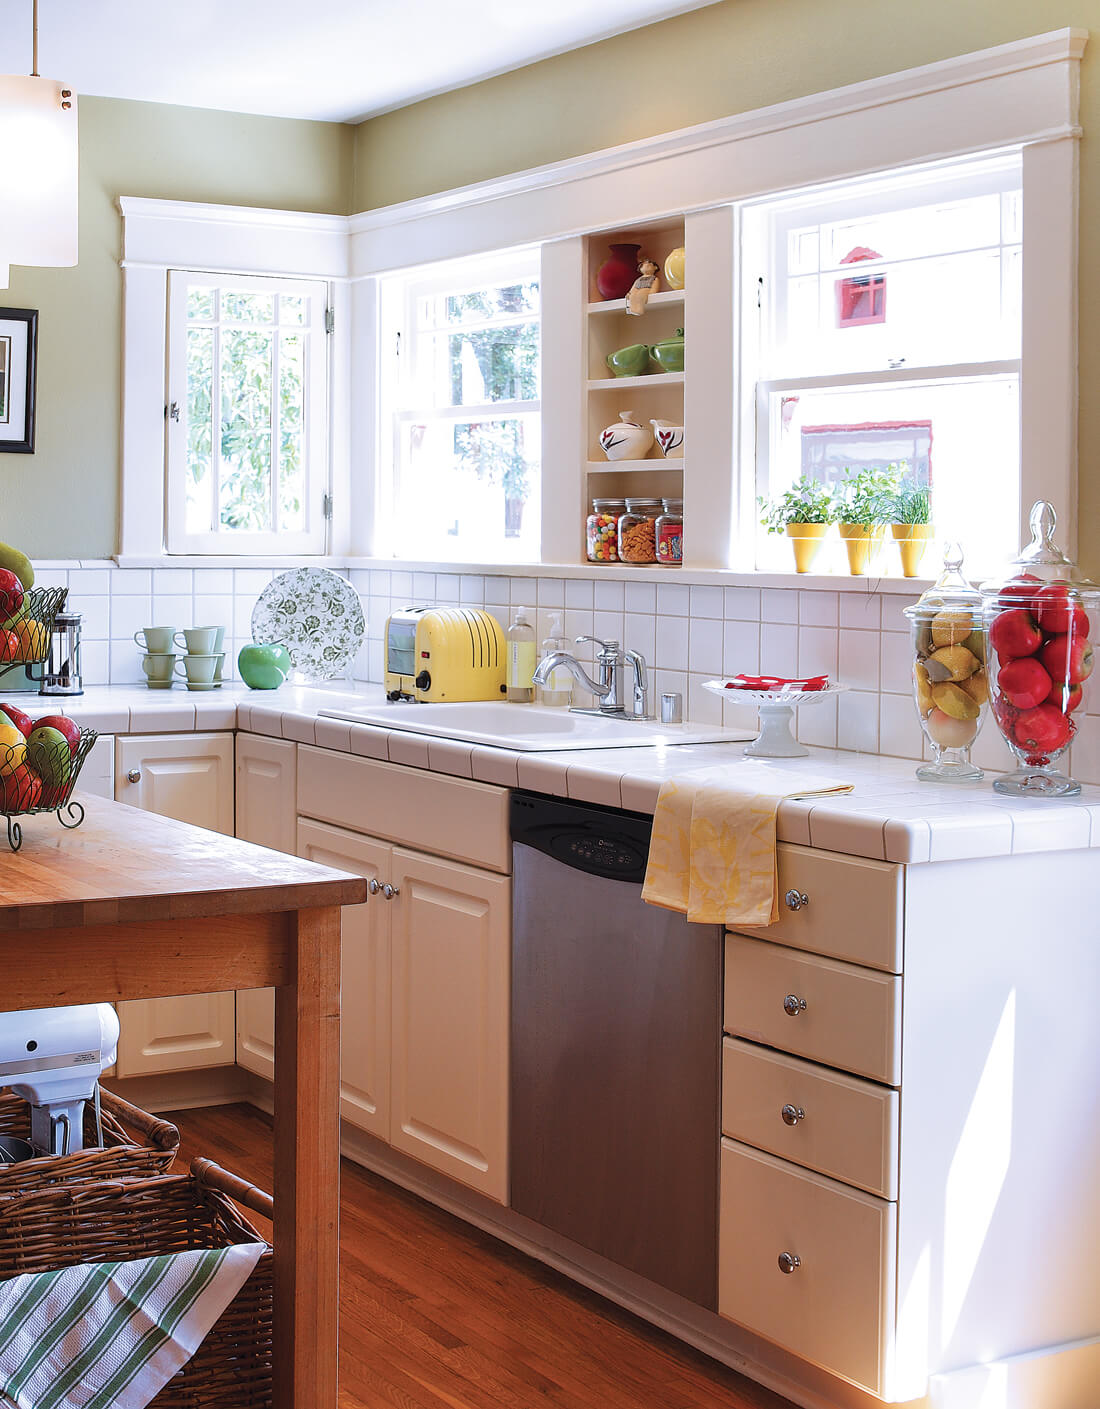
[{"x": 133, "y": 905}]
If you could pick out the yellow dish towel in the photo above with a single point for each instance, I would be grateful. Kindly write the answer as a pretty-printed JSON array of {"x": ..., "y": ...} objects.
[{"x": 712, "y": 854}]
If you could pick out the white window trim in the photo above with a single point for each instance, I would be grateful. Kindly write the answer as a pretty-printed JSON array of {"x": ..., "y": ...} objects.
[{"x": 159, "y": 236}]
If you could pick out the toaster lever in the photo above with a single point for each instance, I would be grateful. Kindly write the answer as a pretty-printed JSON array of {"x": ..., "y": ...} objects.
[{"x": 423, "y": 680}]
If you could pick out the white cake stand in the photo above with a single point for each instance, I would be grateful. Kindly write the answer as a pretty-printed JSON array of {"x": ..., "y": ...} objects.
[{"x": 777, "y": 708}]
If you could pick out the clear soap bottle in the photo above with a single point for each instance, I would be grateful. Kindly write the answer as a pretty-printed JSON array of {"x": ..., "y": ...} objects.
[
  {"x": 558, "y": 690},
  {"x": 521, "y": 659}
]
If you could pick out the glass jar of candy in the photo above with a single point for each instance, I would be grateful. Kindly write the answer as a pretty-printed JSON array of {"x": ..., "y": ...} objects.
[
  {"x": 638, "y": 531},
  {"x": 670, "y": 533},
  {"x": 602, "y": 530}
]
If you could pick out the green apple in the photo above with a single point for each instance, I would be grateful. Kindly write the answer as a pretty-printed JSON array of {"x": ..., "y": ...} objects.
[
  {"x": 264, "y": 666},
  {"x": 49, "y": 755}
]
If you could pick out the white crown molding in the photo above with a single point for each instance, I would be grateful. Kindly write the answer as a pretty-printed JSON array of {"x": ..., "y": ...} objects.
[
  {"x": 1056, "y": 47},
  {"x": 145, "y": 208}
]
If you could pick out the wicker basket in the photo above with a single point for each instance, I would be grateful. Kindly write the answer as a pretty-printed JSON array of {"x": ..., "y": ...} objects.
[
  {"x": 120, "y": 1220},
  {"x": 123, "y": 1156}
]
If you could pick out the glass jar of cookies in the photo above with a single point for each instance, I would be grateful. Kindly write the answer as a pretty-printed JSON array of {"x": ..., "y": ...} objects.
[{"x": 638, "y": 531}]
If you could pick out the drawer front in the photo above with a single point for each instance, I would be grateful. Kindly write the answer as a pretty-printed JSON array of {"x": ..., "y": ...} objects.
[
  {"x": 854, "y": 907},
  {"x": 834, "y": 1307},
  {"x": 837, "y": 1125},
  {"x": 843, "y": 1016},
  {"x": 444, "y": 816}
]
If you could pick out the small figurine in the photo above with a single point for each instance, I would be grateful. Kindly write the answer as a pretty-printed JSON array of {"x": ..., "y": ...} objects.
[{"x": 643, "y": 286}]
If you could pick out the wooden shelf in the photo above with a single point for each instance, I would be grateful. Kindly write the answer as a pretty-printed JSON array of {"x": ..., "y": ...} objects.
[
  {"x": 603, "y": 467},
  {"x": 646, "y": 379},
  {"x": 618, "y": 305}
]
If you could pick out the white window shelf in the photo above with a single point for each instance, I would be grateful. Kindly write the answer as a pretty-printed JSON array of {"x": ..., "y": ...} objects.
[
  {"x": 646, "y": 379},
  {"x": 666, "y": 298}
]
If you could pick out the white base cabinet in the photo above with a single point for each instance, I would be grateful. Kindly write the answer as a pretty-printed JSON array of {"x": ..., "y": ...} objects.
[{"x": 188, "y": 777}]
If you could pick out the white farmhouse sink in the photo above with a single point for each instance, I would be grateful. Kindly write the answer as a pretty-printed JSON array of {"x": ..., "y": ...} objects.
[{"x": 529, "y": 728}]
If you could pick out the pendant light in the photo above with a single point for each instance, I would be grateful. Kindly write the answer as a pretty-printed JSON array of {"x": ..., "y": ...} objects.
[{"x": 38, "y": 169}]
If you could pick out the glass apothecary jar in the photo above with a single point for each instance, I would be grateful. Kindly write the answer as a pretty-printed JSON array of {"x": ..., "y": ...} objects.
[
  {"x": 601, "y": 533},
  {"x": 1040, "y": 621},
  {"x": 950, "y": 677},
  {"x": 670, "y": 533},
  {"x": 638, "y": 531}
]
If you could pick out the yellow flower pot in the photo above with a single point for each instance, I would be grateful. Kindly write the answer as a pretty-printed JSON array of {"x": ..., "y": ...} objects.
[
  {"x": 861, "y": 542},
  {"x": 912, "y": 539},
  {"x": 806, "y": 541}
]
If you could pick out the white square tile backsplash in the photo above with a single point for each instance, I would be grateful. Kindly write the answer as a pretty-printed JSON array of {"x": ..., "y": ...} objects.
[{"x": 687, "y": 634}]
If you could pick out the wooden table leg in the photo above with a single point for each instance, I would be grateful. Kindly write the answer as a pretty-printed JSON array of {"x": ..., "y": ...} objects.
[{"x": 307, "y": 1168}]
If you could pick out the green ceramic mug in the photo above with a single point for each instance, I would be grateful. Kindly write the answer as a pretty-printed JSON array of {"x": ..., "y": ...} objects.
[{"x": 264, "y": 665}]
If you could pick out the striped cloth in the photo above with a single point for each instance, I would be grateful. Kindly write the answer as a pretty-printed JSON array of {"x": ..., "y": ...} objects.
[{"x": 109, "y": 1335}]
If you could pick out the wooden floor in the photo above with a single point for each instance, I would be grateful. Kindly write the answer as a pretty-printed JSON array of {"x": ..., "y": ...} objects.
[{"x": 435, "y": 1314}]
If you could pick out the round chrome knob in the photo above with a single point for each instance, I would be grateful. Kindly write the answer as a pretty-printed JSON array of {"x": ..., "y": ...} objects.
[
  {"x": 374, "y": 886},
  {"x": 793, "y": 1005},
  {"x": 792, "y": 1114},
  {"x": 134, "y": 775},
  {"x": 390, "y": 892},
  {"x": 788, "y": 1261},
  {"x": 795, "y": 899}
]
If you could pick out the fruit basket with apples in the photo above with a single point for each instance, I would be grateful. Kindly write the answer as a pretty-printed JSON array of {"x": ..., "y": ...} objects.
[
  {"x": 1040, "y": 622},
  {"x": 40, "y": 760},
  {"x": 950, "y": 676}
]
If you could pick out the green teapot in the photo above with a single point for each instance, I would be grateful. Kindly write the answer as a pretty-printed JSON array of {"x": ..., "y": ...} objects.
[
  {"x": 669, "y": 354},
  {"x": 629, "y": 361}
]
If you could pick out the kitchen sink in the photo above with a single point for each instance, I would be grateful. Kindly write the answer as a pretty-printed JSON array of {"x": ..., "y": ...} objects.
[{"x": 529, "y": 728}]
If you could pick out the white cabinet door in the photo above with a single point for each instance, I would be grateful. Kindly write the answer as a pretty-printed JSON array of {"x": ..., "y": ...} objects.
[
  {"x": 266, "y": 793},
  {"x": 364, "y": 975},
  {"x": 451, "y": 965},
  {"x": 188, "y": 777},
  {"x": 98, "y": 774}
]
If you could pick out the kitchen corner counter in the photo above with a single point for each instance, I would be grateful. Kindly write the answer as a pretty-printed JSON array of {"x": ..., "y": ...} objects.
[{"x": 889, "y": 816}]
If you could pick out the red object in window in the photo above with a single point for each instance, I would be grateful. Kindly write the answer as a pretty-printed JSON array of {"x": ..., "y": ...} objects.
[{"x": 860, "y": 300}]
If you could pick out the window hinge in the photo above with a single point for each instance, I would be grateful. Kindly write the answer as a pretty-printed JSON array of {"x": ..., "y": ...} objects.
[
  {"x": 172, "y": 411},
  {"x": 330, "y": 320},
  {"x": 326, "y": 506}
]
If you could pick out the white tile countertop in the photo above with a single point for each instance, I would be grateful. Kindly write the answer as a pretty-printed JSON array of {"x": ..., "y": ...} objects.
[{"x": 889, "y": 816}]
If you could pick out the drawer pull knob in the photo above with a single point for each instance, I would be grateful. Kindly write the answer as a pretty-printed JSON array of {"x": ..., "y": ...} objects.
[
  {"x": 792, "y": 1114},
  {"x": 789, "y": 1262},
  {"x": 374, "y": 886},
  {"x": 390, "y": 892},
  {"x": 793, "y": 1005},
  {"x": 134, "y": 775},
  {"x": 795, "y": 900}
]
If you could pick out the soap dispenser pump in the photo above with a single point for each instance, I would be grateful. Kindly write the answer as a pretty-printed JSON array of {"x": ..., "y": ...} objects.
[
  {"x": 521, "y": 659},
  {"x": 558, "y": 690}
]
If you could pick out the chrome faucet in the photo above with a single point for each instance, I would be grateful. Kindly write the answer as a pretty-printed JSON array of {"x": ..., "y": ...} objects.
[{"x": 612, "y": 661}]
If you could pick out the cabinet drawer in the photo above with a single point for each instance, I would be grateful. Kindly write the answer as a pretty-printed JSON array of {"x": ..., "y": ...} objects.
[
  {"x": 835, "y": 1307},
  {"x": 848, "y": 1128},
  {"x": 851, "y": 1017},
  {"x": 450, "y": 817},
  {"x": 854, "y": 907}
]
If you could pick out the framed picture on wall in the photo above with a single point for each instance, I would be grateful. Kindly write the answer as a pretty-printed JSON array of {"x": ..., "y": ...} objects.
[{"x": 18, "y": 355}]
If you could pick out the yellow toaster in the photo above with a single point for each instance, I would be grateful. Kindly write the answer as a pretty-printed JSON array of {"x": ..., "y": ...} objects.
[{"x": 444, "y": 653}]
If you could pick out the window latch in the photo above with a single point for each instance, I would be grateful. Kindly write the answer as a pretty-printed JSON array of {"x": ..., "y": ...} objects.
[
  {"x": 172, "y": 411},
  {"x": 895, "y": 362}
]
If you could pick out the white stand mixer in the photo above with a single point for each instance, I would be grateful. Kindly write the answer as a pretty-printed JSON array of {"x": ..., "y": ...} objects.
[{"x": 53, "y": 1058}]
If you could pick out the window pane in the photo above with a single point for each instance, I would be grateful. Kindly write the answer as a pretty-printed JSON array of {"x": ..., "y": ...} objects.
[
  {"x": 291, "y": 415},
  {"x": 483, "y": 305},
  {"x": 240, "y": 307},
  {"x": 244, "y": 500},
  {"x": 200, "y": 429},
  {"x": 201, "y": 302},
  {"x": 291, "y": 309},
  {"x": 496, "y": 364},
  {"x": 470, "y": 489}
]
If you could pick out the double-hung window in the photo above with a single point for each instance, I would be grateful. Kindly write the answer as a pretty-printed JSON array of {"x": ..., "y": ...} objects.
[
  {"x": 248, "y": 418},
  {"x": 882, "y": 328},
  {"x": 460, "y": 427}
]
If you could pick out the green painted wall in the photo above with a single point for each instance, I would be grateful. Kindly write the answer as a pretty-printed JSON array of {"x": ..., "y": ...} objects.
[
  {"x": 62, "y": 501},
  {"x": 729, "y": 58}
]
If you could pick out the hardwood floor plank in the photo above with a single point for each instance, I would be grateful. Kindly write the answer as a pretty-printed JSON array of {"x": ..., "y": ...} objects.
[{"x": 437, "y": 1314}]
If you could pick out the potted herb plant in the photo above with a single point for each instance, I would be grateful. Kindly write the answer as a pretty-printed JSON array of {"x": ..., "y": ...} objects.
[
  {"x": 804, "y": 512},
  {"x": 910, "y": 524},
  {"x": 863, "y": 507}
]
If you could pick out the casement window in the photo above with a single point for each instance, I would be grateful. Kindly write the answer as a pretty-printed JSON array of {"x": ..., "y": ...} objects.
[
  {"x": 460, "y": 423},
  {"x": 882, "y": 326},
  {"x": 247, "y": 415}
]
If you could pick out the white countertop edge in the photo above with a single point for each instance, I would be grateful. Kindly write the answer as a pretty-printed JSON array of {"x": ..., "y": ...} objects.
[{"x": 889, "y": 816}]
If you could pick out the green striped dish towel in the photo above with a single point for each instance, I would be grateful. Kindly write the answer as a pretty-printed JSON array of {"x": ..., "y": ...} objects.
[{"x": 110, "y": 1335}]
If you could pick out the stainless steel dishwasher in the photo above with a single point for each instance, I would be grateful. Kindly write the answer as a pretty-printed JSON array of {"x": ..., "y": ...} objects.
[{"x": 616, "y": 1046}]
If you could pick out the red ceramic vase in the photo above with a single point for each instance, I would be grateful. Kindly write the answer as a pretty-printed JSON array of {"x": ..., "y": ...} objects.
[{"x": 616, "y": 275}]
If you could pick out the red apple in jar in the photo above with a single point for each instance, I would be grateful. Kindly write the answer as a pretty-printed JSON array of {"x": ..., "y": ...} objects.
[
  {"x": 1024, "y": 682},
  {"x": 1015, "y": 633},
  {"x": 64, "y": 725},
  {"x": 1067, "y": 698},
  {"x": 1068, "y": 659},
  {"x": 1042, "y": 730},
  {"x": 1053, "y": 608}
]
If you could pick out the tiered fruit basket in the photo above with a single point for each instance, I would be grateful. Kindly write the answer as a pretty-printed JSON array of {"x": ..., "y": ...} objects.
[
  {"x": 28, "y": 619},
  {"x": 40, "y": 761}
]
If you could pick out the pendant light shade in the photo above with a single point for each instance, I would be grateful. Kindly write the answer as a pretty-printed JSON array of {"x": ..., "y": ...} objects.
[{"x": 38, "y": 172}]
